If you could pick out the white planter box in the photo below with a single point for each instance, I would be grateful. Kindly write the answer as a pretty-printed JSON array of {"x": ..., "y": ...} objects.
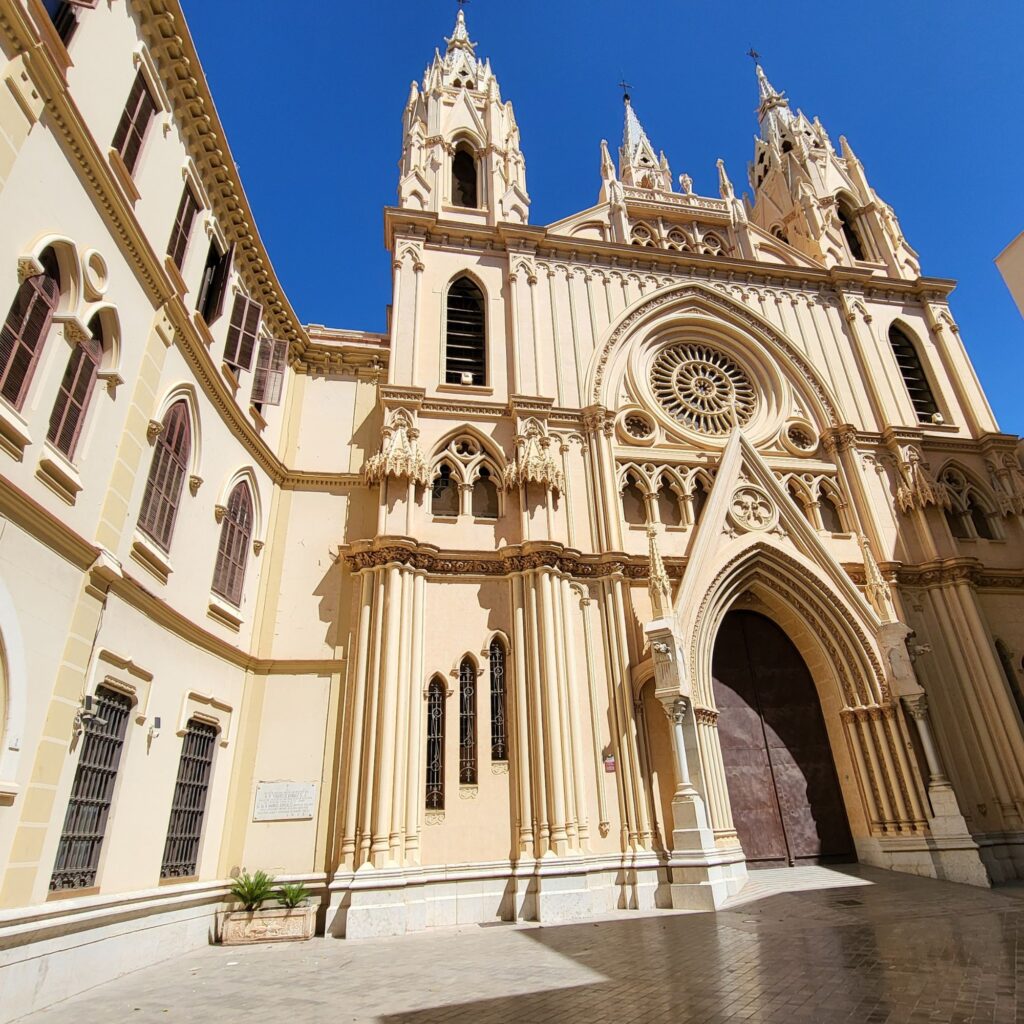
[{"x": 278, "y": 924}]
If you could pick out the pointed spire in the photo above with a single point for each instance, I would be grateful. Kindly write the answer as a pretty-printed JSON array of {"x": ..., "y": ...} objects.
[
  {"x": 768, "y": 92},
  {"x": 657, "y": 581},
  {"x": 607, "y": 167},
  {"x": 460, "y": 36},
  {"x": 876, "y": 588},
  {"x": 633, "y": 134},
  {"x": 724, "y": 184},
  {"x": 773, "y": 110}
]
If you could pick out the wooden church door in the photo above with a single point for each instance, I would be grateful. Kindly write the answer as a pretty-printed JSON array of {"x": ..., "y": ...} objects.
[{"x": 785, "y": 796}]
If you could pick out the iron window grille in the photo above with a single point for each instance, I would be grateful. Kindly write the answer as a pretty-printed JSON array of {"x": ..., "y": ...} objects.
[
  {"x": 467, "y": 723},
  {"x": 85, "y": 824},
  {"x": 435, "y": 746},
  {"x": 188, "y": 808},
  {"x": 499, "y": 725}
]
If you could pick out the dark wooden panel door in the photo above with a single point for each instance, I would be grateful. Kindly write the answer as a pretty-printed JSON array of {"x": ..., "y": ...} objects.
[{"x": 785, "y": 796}]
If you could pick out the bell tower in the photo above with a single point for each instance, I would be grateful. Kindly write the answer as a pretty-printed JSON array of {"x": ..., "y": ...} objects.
[
  {"x": 817, "y": 200},
  {"x": 460, "y": 149}
]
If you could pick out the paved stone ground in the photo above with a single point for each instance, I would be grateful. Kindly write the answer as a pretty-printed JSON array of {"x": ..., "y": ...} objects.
[{"x": 800, "y": 946}]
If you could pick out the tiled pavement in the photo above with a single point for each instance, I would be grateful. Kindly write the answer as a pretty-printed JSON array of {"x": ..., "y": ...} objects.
[{"x": 797, "y": 946}]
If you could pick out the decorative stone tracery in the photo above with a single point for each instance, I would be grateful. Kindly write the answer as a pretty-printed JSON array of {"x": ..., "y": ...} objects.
[
  {"x": 533, "y": 460},
  {"x": 400, "y": 454}
]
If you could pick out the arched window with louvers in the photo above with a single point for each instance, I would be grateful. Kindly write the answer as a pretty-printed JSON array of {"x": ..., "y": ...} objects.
[
  {"x": 167, "y": 472},
  {"x": 233, "y": 550},
  {"x": 465, "y": 353},
  {"x": 914, "y": 377},
  {"x": 26, "y": 328},
  {"x": 76, "y": 388}
]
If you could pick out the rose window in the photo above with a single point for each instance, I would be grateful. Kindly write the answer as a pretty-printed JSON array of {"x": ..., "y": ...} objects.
[{"x": 702, "y": 388}]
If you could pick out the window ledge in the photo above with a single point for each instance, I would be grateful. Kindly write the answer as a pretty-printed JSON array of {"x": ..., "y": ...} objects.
[
  {"x": 446, "y": 519},
  {"x": 223, "y": 612},
  {"x": 150, "y": 557},
  {"x": 229, "y": 374},
  {"x": 202, "y": 328},
  {"x": 466, "y": 389},
  {"x": 58, "y": 474},
  {"x": 8, "y": 791},
  {"x": 484, "y": 520},
  {"x": 257, "y": 418},
  {"x": 14, "y": 435},
  {"x": 124, "y": 176},
  {"x": 174, "y": 273}
]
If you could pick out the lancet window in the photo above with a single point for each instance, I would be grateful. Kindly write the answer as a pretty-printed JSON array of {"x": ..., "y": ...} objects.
[
  {"x": 166, "y": 476},
  {"x": 26, "y": 327},
  {"x": 913, "y": 374},
  {"x": 467, "y": 723},
  {"x": 465, "y": 334},
  {"x": 669, "y": 510},
  {"x": 634, "y": 506},
  {"x": 435, "y": 745},
  {"x": 1012, "y": 679},
  {"x": 485, "y": 495},
  {"x": 76, "y": 388},
  {"x": 499, "y": 709},
  {"x": 851, "y": 232},
  {"x": 444, "y": 493},
  {"x": 970, "y": 515},
  {"x": 233, "y": 549},
  {"x": 464, "y": 177}
]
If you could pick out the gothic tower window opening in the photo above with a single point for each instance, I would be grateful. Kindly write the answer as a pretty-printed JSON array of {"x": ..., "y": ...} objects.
[
  {"x": 485, "y": 495},
  {"x": 465, "y": 192},
  {"x": 850, "y": 228},
  {"x": 914, "y": 377},
  {"x": 467, "y": 723},
  {"x": 465, "y": 334},
  {"x": 435, "y": 745}
]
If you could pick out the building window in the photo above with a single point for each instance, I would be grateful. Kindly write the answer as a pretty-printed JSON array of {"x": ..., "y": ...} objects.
[
  {"x": 464, "y": 187},
  {"x": 166, "y": 476},
  {"x": 131, "y": 129},
  {"x": 668, "y": 504},
  {"x": 444, "y": 493},
  {"x": 187, "y": 210},
  {"x": 181, "y": 851},
  {"x": 499, "y": 712},
  {"x": 847, "y": 221},
  {"x": 698, "y": 498},
  {"x": 831, "y": 517},
  {"x": 485, "y": 496},
  {"x": 26, "y": 328},
  {"x": 913, "y": 374},
  {"x": 214, "y": 283},
  {"x": 467, "y": 723},
  {"x": 233, "y": 549},
  {"x": 64, "y": 15},
  {"x": 435, "y": 745},
  {"x": 465, "y": 340},
  {"x": 85, "y": 824},
  {"x": 968, "y": 517},
  {"x": 76, "y": 388},
  {"x": 634, "y": 507},
  {"x": 245, "y": 325},
  {"x": 268, "y": 380}
]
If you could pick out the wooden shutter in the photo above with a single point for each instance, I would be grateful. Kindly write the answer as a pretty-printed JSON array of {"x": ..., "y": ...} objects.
[
  {"x": 233, "y": 549},
  {"x": 268, "y": 381},
  {"x": 21, "y": 339},
  {"x": 187, "y": 210},
  {"x": 76, "y": 389},
  {"x": 245, "y": 325},
  {"x": 214, "y": 302},
  {"x": 166, "y": 476},
  {"x": 131, "y": 129}
]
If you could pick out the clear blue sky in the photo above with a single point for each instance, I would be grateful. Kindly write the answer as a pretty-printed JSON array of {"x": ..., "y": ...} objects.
[{"x": 928, "y": 92}]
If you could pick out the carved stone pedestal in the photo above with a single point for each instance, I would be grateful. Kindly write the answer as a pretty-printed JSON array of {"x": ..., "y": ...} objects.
[{"x": 702, "y": 876}]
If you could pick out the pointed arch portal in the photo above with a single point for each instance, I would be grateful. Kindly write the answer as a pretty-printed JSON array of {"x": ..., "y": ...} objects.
[{"x": 786, "y": 803}]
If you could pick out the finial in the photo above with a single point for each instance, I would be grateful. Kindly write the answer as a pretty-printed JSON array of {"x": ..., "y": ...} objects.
[
  {"x": 625, "y": 87},
  {"x": 658, "y": 583},
  {"x": 751, "y": 53}
]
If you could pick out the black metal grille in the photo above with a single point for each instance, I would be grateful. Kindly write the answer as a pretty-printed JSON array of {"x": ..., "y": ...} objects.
[
  {"x": 465, "y": 336},
  {"x": 85, "y": 823},
  {"x": 435, "y": 746},
  {"x": 467, "y": 722},
  {"x": 499, "y": 731},
  {"x": 181, "y": 851},
  {"x": 913, "y": 375}
]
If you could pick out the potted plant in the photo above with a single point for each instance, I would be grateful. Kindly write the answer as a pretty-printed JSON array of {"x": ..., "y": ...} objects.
[{"x": 293, "y": 921}]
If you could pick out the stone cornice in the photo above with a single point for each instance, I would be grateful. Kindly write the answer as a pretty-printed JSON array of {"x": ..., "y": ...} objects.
[{"x": 345, "y": 353}]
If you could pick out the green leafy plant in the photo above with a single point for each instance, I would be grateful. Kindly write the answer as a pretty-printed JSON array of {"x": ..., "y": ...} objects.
[
  {"x": 252, "y": 891},
  {"x": 292, "y": 894}
]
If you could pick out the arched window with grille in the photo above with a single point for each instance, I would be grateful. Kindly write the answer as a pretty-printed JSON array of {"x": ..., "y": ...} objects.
[
  {"x": 26, "y": 327},
  {"x": 499, "y": 705},
  {"x": 166, "y": 475},
  {"x": 467, "y": 723},
  {"x": 913, "y": 374},
  {"x": 233, "y": 549},
  {"x": 435, "y": 745},
  {"x": 76, "y": 388},
  {"x": 465, "y": 354},
  {"x": 464, "y": 184}
]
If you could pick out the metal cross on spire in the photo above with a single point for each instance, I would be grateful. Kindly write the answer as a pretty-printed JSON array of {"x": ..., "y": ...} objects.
[
  {"x": 625, "y": 87},
  {"x": 751, "y": 53}
]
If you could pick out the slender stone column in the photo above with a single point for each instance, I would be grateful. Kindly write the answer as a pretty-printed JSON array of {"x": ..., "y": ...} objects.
[
  {"x": 416, "y": 725},
  {"x": 917, "y": 707}
]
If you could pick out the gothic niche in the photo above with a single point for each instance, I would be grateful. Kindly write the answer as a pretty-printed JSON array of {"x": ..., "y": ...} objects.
[{"x": 702, "y": 388}]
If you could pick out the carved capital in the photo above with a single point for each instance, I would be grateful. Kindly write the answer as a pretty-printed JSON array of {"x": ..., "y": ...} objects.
[
  {"x": 153, "y": 430},
  {"x": 219, "y": 512}
]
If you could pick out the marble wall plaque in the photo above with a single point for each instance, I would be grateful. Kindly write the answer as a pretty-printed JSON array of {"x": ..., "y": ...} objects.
[{"x": 284, "y": 801}]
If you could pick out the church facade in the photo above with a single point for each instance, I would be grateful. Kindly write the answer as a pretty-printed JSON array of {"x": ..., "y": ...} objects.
[{"x": 670, "y": 540}]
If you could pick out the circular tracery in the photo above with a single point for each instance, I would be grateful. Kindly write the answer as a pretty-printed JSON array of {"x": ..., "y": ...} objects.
[{"x": 702, "y": 388}]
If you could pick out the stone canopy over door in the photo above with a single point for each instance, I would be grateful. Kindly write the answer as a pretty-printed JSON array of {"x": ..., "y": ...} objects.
[{"x": 785, "y": 796}]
